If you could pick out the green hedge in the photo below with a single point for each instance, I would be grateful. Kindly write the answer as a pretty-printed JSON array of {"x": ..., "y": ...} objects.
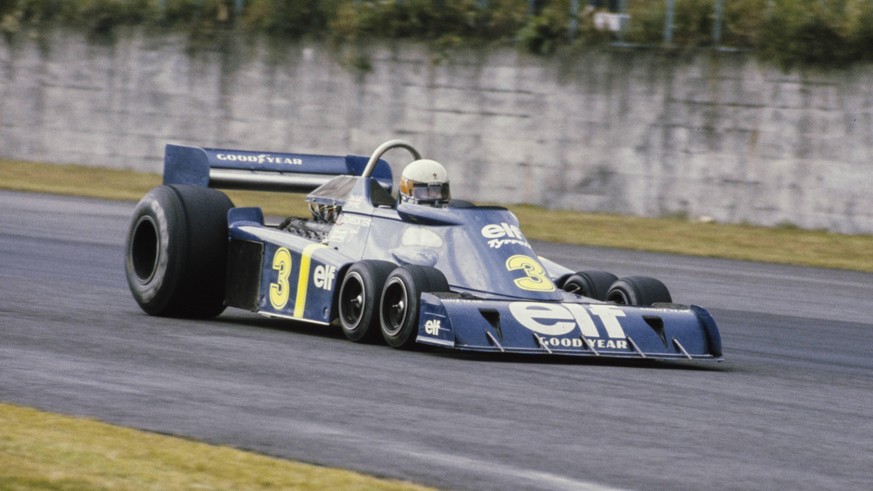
[{"x": 787, "y": 32}]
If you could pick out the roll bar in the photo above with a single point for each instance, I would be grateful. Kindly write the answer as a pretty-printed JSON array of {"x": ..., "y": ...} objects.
[{"x": 381, "y": 149}]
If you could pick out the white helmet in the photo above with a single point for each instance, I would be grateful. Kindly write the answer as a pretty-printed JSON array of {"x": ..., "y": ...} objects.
[{"x": 425, "y": 182}]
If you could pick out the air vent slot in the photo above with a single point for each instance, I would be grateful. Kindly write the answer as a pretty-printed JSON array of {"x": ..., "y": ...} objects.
[
  {"x": 657, "y": 325},
  {"x": 493, "y": 318}
]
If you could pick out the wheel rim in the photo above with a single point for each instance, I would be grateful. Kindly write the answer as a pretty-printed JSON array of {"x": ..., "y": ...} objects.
[
  {"x": 619, "y": 297},
  {"x": 352, "y": 301},
  {"x": 395, "y": 306},
  {"x": 574, "y": 287},
  {"x": 145, "y": 249}
]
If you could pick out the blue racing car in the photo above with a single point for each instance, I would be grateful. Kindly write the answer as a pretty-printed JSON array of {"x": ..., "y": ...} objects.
[{"x": 418, "y": 269}]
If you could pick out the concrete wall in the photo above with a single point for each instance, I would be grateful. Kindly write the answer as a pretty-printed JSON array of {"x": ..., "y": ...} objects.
[{"x": 637, "y": 131}]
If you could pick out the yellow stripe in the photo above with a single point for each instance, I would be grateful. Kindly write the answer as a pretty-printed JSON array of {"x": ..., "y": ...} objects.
[{"x": 303, "y": 279}]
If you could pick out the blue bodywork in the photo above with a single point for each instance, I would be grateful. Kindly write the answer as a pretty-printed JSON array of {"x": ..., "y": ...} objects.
[{"x": 503, "y": 296}]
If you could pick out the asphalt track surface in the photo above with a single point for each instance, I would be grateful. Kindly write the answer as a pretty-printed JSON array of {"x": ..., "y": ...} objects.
[{"x": 789, "y": 408}]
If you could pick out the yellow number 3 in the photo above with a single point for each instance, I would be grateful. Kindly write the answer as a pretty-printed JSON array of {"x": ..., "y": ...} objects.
[
  {"x": 535, "y": 278},
  {"x": 279, "y": 291}
]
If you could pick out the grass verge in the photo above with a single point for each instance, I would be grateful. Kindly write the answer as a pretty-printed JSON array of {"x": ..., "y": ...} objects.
[
  {"x": 45, "y": 451},
  {"x": 671, "y": 235}
]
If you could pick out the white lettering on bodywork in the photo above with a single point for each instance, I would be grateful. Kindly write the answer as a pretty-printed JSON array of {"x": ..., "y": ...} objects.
[
  {"x": 259, "y": 159},
  {"x": 558, "y": 319}
]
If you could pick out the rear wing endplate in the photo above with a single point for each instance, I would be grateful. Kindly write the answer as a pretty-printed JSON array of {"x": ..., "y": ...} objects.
[{"x": 262, "y": 171}]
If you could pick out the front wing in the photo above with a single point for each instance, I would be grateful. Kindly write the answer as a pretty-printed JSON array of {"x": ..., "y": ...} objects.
[{"x": 569, "y": 328}]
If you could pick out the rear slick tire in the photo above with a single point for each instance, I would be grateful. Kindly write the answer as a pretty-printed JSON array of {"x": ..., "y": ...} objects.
[{"x": 176, "y": 253}]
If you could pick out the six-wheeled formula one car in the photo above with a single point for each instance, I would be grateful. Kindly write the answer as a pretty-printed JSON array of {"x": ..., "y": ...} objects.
[{"x": 455, "y": 276}]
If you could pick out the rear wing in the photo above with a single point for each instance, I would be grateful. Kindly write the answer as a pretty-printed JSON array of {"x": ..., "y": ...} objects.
[{"x": 263, "y": 171}]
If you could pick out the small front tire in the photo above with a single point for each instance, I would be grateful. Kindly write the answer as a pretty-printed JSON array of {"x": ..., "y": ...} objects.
[
  {"x": 359, "y": 299},
  {"x": 401, "y": 302},
  {"x": 591, "y": 284},
  {"x": 638, "y": 290}
]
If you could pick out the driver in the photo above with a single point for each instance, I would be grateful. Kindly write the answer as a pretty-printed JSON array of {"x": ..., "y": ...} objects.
[{"x": 425, "y": 182}]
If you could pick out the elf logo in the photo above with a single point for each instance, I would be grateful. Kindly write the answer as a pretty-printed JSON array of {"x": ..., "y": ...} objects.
[
  {"x": 558, "y": 319},
  {"x": 503, "y": 233},
  {"x": 432, "y": 327},
  {"x": 323, "y": 276}
]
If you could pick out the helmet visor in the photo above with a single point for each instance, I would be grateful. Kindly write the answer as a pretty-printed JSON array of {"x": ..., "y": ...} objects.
[{"x": 438, "y": 191}]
